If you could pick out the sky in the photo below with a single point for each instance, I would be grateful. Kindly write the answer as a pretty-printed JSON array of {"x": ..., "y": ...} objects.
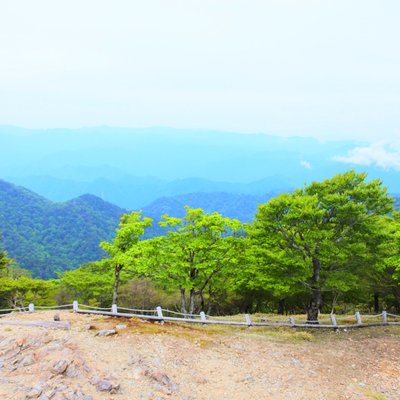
[{"x": 329, "y": 69}]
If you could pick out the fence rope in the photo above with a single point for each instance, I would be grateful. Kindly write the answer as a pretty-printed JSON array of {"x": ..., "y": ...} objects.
[
  {"x": 95, "y": 308},
  {"x": 53, "y": 307},
  {"x": 137, "y": 310},
  {"x": 227, "y": 320},
  {"x": 178, "y": 313}
]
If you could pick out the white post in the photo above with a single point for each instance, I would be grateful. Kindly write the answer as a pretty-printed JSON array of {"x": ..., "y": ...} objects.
[
  {"x": 333, "y": 320},
  {"x": 203, "y": 316},
  {"x": 75, "y": 306},
  {"x": 358, "y": 317},
  {"x": 114, "y": 309},
  {"x": 248, "y": 319},
  {"x": 31, "y": 307},
  {"x": 291, "y": 320},
  {"x": 159, "y": 313},
  {"x": 384, "y": 317}
]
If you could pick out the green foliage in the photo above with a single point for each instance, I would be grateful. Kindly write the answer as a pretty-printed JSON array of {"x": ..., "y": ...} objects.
[
  {"x": 90, "y": 284},
  {"x": 321, "y": 237},
  {"x": 330, "y": 245},
  {"x": 144, "y": 294},
  {"x": 195, "y": 254},
  {"x": 124, "y": 250},
  {"x": 46, "y": 237},
  {"x": 23, "y": 290}
]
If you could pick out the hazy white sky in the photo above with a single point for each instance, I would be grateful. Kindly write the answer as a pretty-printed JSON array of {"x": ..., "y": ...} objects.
[{"x": 292, "y": 67}]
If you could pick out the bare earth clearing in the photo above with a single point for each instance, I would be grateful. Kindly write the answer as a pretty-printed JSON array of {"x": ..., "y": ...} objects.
[{"x": 151, "y": 361}]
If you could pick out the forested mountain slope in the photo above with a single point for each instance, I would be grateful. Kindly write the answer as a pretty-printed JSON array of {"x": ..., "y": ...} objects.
[{"x": 47, "y": 237}]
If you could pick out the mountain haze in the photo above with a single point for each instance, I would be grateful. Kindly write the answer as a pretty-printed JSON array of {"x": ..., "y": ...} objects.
[{"x": 133, "y": 167}]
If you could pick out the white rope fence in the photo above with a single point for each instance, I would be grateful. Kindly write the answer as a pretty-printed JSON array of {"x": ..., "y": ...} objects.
[{"x": 159, "y": 314}]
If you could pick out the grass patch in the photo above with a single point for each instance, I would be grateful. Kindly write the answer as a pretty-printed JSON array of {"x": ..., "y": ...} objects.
[
  {"x": 281, "y": 334},
  {"x": 371, "y": 394}
]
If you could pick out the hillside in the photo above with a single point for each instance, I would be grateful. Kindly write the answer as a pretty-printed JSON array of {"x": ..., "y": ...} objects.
[
  {"x": 133, "y": 192},
  {"x": 47, "y": 237}
]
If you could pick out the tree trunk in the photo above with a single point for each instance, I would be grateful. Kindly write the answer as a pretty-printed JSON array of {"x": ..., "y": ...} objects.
[
  {"x": 191, "y": 301},
  {"x": 376, "y": 302},
  {"x": 202, "y": 302},
  {"x": 316, "y": 298},
  {"x": 183, "y": 301},
  {"x": 116, "y": 283},
  {"x": 281, "y": 306}
]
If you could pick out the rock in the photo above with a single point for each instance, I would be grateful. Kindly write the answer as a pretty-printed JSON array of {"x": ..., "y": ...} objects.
[
  {"x": 120, "y": 327},
  {"x": 58, "y": 396},
  {"x": 27, "y": 360},
  {"x": 104, "y": 385},
  {"x": 72, "y": 371},
  {"x": 163, "y": 379},
  {"x": 76, "y": 395},
  {"x": 296, "y": 362},
  {"x": 90, "y": 327},
  {"x": 47, "y": 395},
  {"x": 57, "y": 317},
  {"x": 60, "y": 367},
  {"x": 35, "y": 392},
  {"x": 248, "y": 378},
  {"x": 106, "y": 332}
]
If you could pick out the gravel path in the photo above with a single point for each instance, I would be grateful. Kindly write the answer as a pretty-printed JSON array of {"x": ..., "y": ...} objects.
[{"x": 142, "y": 360}]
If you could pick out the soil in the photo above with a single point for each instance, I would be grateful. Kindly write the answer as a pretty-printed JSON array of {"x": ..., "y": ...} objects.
[{"x": 146, "y": 360}]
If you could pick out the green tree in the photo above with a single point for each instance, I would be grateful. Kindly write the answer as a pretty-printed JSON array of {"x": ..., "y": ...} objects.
[
  {"x": 387, "y": 280},
  {"x": 124, "y": 249},
  {"x": 5, "y": 261},
  {"x": 92, "y": 284},
  {"x": 320, "y": 237},
  {"x": 19, "y": 292},
  {"x": 197, "y": 250}
]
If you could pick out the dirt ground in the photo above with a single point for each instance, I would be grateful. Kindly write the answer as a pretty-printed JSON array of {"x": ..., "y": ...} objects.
[{"x": 147, "y": 360}]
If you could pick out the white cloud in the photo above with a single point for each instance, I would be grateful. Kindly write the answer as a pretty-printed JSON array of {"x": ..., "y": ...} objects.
[
  {"x": 381, "y": 155},
  {"x": 305, "y": 164}
]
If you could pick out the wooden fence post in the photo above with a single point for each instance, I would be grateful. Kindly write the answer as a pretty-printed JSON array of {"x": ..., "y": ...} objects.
[
  {"x": 114, "y": 308},
  {"x": 384, "y": 317},
  {"x": 75, "y": 306},
  {"x": 203, "y": 316},
  {"x": 333, "y": 320},
  {"x": 248, "y": 319},
  {"x": 358, "y": 318},
  {"x": 160, "y": 314},
  {"x": 31, "y": 307}
]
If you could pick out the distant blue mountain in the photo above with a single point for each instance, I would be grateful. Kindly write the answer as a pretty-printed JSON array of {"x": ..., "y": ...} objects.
[{"x": 133, "y": 167}]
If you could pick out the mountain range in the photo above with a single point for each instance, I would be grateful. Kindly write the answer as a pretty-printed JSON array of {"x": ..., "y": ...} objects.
[
  {"x": 76, "y": 183},
  {"x": 133, "y": 167},
  {"x": 47, "y": 237}
]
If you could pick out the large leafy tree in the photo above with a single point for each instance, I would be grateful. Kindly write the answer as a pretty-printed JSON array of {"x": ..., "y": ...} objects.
[
  {"x": 91, "y": 284},
  {"x": 387, "y": 280},
  {"x": 320, "y": 238},
  {"x": 195, "y": 254},
  {"x": 124, "y": 250}
]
